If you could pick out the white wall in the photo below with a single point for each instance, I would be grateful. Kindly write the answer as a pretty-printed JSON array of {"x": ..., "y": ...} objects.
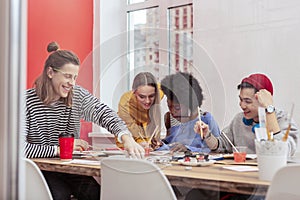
[
  {"x": 233, "y": 38},
  {"x": 113, "y": 49},
  {"x": 248, "y": 36}
]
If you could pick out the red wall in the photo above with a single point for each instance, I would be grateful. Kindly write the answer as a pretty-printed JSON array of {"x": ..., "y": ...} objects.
[{"x": 68, "y": 22}]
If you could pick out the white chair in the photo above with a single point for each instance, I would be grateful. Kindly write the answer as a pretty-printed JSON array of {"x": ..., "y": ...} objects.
[
  {"x": 285, "y": 184},
  {"x": 36, "y": 185},
  {"x": 124, "y": 178}
]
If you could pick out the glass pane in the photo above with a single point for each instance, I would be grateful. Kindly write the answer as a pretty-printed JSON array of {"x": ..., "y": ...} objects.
[
  {"x": 143, "y": 41},
  {"x": 135, "y": 1},
  {"x": 181, "y": 38}
]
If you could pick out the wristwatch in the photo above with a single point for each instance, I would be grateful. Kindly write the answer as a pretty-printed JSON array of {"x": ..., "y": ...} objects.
[{"x": 270, "y": 109}]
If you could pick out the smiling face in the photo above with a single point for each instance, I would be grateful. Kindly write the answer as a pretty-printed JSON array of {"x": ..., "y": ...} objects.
[
  {"x": 249, "y": 103},
  {"x": 145, "y": 96},
  {"x": 63, "y": 79}
]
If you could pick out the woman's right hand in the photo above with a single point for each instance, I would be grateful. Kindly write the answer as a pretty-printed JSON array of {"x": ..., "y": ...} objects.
[
  {"x": 80, "y": 145},
  {"x": 132, "y": 147},
  {"x": 177, "y": 147}
]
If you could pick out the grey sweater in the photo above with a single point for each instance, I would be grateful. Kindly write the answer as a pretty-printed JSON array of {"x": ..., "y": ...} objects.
[{"x": 242, "y": 135}]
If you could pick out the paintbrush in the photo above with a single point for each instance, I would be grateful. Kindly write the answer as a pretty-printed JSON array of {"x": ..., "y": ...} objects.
[
  {"x": 229, "y": 141},
  {"x": 154, "y": 134},
  {"x": 285, "y": 137},
  {"x": 142, "y": 137},
  {"x": 199, "y": 117}
]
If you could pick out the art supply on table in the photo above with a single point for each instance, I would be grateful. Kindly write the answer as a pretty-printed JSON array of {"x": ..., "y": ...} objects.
[
  {"x": 285, "y": 137},
  {"x": 262, "y": 117},
  {"x": 229, "y": 141},
  {"x": 268, "y": 134},
  {"x": 271, "y": 156},
  {"x": 263, "y": 122},
  {"x": 261, "y": 133},
  {"x": 240, "y": 156},
  {"x": 199, "y": 117},
  {"x": 142, "y": 137},
  {"x": 155, "y": 132}
]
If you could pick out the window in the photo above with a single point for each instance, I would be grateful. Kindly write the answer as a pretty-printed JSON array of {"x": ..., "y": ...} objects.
[
  {"x": 160, "y": 36},
  {"x": 181, "y": 37},
  {"x": 143, "y": 39}
]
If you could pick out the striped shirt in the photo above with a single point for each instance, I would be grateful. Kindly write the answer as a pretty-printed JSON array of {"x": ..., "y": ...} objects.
[{"x": 45, "y": 122}]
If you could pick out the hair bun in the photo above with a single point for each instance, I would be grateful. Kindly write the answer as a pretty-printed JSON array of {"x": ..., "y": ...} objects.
[{"x": 52, "y": 46}]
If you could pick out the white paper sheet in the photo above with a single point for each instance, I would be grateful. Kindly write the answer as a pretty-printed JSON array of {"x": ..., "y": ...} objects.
[{"x": 242, "y": 168}]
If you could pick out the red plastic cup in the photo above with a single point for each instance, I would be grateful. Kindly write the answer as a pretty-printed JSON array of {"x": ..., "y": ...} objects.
[{"x": 66, "y": 144}]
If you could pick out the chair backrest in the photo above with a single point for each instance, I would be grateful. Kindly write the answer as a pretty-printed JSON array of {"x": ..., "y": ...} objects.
[
  {"x": 124, "y": 178},
  {"x": 36, "y": 185},
  {"x": 285, "y": 184}
]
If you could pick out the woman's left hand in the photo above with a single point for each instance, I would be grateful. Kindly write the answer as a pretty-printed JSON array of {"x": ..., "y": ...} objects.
[
  {"x": 176, "y": 146},
  {"x": 134, "y": 149},
  {"x": 156, "y": 143}
]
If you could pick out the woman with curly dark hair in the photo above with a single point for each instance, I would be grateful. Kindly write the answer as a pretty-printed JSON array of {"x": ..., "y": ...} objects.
[{"x": 184, "y": 97}]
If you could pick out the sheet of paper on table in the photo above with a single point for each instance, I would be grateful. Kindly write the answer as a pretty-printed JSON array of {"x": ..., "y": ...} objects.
[
  {"x": 85, "y": 162},
  {"x": 242, "y": 168}
]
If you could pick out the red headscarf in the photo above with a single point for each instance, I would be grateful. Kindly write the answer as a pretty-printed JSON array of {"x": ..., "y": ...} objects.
[{"x": 259, "y": 81}]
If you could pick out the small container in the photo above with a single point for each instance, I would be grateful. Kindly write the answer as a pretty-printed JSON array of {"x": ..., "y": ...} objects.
[
  {"x": 271, "y": 156},
  {"x": 147, "y": 151},
  {"x": 66, "y": 144},
  {"x": 240, "y": 156}
]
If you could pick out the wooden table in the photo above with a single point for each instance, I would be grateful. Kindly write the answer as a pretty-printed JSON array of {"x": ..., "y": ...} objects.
[{"x": 213, "y": 177}]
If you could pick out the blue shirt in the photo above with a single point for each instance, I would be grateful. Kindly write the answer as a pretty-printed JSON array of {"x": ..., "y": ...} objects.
[{"x": 185, "y": 134}]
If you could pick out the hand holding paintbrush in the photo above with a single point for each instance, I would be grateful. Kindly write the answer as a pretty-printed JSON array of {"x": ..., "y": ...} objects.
[
  {"x": 155, "y": 132},
  {"x": 199, "y": 117},
  {"x": 201, "y": 127},
  {"x": 152, "y": 142}
]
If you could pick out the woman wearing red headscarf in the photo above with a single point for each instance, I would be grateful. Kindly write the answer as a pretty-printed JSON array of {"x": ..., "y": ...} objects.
[{"x": 255, "y": 91}]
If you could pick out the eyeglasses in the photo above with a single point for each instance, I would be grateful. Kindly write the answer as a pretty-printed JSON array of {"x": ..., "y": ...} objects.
[{"x": 66, "y": 75}]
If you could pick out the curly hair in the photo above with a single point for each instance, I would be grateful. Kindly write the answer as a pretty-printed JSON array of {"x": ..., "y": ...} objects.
[{"x": 183, "y": 88}]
